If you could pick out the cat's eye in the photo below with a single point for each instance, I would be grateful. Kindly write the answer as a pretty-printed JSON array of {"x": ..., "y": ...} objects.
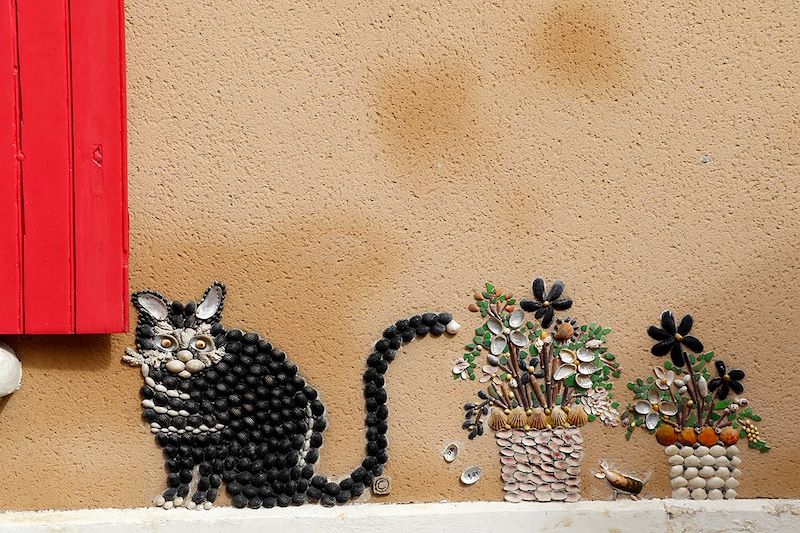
[
  {"x": 165, "y": 342},
  {"x": 202, "y": 344}
]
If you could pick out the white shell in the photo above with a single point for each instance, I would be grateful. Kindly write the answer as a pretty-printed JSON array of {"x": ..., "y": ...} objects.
[
  {"x": 518, "y": 339},
  {"x": 690, "y": 472},
  {"x": 686, "y": 451},
  {"x": 671, "y": 449},
  {"x": 723, "y": 473},
  {"x": 675, "y": 460},
  {"x": 498, "y": 345},
  {"x": 723, "y": 461},
  {"x": 731, "y": 483},
  {"x": 692, "y": 460},
  {"x": 471, "y": 475},
  {"x": 10, "y": 371},
  {"x": 715, "y": 494},
  {"x": 715, "y": 483},
  {"x": 194, "y": 366},
  {"x": 175, "y": 366},
  {"x": 706, "y": 472},
  {"x": 681, "y": 493},
  {"x": 717, "y": 451},
  {"x": 708, "y": 460},
  {"x": 494, "y": 325},
  {"x": 730, "y": 494},
  {"x": 697, "y": 483},
  {"x": 736, "y": 473},
  {"x": 699, "y": 494},
  {"x": 516, "y": 318},
  {"x": 678, "y": 482},
  {"x": 450, "y": 453},
  {"x": 701, "y": 451},
  {"x": 732, "y": 451},
  {"x": 676, "y": 471},
  {"x": 736, "y": 461}
]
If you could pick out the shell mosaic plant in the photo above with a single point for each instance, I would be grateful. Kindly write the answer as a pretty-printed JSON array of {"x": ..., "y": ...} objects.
[
  {"x": 697, "y": 411},
  {"x": 545, "y": 377}
]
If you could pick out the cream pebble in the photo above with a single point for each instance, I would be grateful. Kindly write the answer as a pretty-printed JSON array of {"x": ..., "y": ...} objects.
[
  {"x": 173, "y": 393},
  {"x": 453, "y": 327},
  {"x": 159, "y": 501},
  {"x": 148, "y": 404},
  {"x": 678, "y": 482},
  {"x": 190, "y": 504},
  {"x": 692, "y": 460},
  {"x": 690, "y": 472},
  {"x": 160, "y": 388},
  {"x": 184, "y": 396},
  {"x": 172, "y": 412},
  {"x": 194, "y": 366},
  {"x": 150, "y": 382},
  {"x": 681, "y": 493},
  {"x": 675, "y": 471},
  {"x": 699, "y": 494},
  {"x": 160, "y": 409},
  {"x": 717, "y": 451},
  {"x": 671, "y": 449},
  {"x": 715, "y": 494},
  {"x": 178, "y": 501},
  {"x": 175, "y": 366},
  {"x": 168, "y": 505},
  {"x": 154, "y": 430},
  {"x": 183, "y": 412},
  {"x": 207, "y": 505},
  {"x": 185, "y": 374},
  {"x": 715, "y": 483},
  {"x": 145, "y": 370}
]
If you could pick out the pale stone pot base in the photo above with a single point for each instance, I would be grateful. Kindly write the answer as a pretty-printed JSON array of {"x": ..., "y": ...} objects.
[{"x": 645, "y": 516}]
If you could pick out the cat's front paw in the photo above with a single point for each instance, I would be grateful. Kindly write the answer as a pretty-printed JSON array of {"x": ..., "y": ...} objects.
[{"x": 170, "y": 500}]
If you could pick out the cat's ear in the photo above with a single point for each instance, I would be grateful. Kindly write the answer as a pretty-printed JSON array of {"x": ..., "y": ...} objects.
[
  {"x": 210, "y": 306},
  {"x": 151, "y": 304}
]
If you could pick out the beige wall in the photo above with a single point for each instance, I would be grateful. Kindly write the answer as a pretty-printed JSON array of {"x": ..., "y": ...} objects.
[{"x": 341, "y": 164}]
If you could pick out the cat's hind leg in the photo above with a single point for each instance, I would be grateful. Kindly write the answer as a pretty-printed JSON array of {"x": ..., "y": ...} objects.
[{"x": 180, "y": 476}]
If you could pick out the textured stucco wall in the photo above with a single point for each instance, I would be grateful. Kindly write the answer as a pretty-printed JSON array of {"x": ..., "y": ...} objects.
[{"x": 341, "y": 164}]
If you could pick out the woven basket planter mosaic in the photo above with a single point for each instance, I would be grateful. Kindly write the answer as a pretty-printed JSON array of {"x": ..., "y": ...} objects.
[
  {"x": 700, "y": 473},
  {"x": 541, "y": 465}
]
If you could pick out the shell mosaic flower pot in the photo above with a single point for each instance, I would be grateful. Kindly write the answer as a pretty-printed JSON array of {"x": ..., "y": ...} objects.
[
  {"x": 541, "y": 465},
  {"x": 699, "y": 472}
]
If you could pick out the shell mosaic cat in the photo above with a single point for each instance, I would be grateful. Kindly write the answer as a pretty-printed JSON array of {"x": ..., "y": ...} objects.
[{"x": 229, "y": 408}]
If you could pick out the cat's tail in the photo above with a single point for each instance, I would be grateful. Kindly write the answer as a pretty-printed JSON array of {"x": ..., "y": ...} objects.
[{"x": 329, "y": 493}]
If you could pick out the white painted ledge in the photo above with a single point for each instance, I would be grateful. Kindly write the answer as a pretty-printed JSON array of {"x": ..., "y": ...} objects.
[{"x": 646, "y": 516}]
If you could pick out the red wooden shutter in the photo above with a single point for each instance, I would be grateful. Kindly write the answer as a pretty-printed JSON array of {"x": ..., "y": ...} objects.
[{"x": 63, "y": 190}]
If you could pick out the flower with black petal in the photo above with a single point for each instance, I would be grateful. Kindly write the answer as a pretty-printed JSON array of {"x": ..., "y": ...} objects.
[
  {"x": 728, "y": 380},
  {"x": 545, "y": 306},
  {"x": 671, "y": 339}
]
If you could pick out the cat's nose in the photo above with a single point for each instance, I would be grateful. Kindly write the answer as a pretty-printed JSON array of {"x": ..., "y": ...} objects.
[{"x": 183, "y": 355}]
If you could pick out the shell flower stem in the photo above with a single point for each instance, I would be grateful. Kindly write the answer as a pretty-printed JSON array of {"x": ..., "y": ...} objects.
[
  {"x": 567, "y": 397},
  {"x": 522, "y": 389},
  {"x": 537, "y": 390},
  {"x": 504, "y": 392},
  {"x": 548, "y": 375},
  {"x": 693, "y": 390}
]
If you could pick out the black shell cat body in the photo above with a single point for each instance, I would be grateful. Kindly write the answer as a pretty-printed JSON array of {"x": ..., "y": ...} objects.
[{"x": 228, "y": 407}]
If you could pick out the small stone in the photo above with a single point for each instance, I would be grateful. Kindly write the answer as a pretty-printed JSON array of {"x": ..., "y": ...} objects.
[
  {"x": 207, "y": 505},
  {"x": 715, "y": 483},
  {"x": 732, "y": 451},
  {"x": 189, "y": 504},
  {"x": 159, "y": 501},
  {"x": 185, "y": 374},
  {"x": 678, "y": 482},
  {"x": 717, "y": 451},
  {"x": 681, "y": 493},
  {"x": 150, "y": 382},
  {"x": 160, "y": 388},
  {"x": 184, "y": 396},
  {"x": 706, "y": 472},
  {"x": 160, "y": 409},
  {"x": 183, "y": 412},
  {"x": 175, "y": 366},
  {"x": 453, "y": 327},
  {"x": 178, "y": 501},
  {"x": 730, "y": 494},
  {"x": 699, "y": 494},
  {"x": 172, "y": 412},
  {"x": 168, "y": 505},
  {"x": 148, "y": 404},
  {"x": 173, "y": 393},
  {"x": 671, "y": 449},
  {"x": 194, "y": 366},
  {"x": 145, "y": 370},
  {"x": 690, "y": 472},
  {"x": 715, "y": 494}
]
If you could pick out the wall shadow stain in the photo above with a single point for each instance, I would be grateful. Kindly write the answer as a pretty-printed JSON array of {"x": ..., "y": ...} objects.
[
  {"x": 62, "y": 352},
  {"x": 581, "y": 46},
  {"x": 428, "y": 114}
]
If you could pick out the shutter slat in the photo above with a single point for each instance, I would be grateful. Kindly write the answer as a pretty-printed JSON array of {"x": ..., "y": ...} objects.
[
  {"x": 10, "y": 205},
  {"x": 46, "y": 168},
  {"x": 98, "y": 110}
]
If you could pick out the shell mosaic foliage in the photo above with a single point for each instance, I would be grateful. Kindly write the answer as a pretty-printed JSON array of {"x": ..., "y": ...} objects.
[
  {"x": 228, "y": 408},
  {"x": 696, "y": 410},
  {"x": 545, "y": 376}
]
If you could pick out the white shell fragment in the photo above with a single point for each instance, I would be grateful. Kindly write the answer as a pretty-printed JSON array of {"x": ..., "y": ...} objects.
[
  {"x": 516, "y": 318},
  {"x": 450, "y": 453},
  {"x": 10, "y": 371},
  {"x": 498, "y": 345},
  {"x": 494, "y": 325},
  {"x": 708, "y": 472},
  {"x": 471, "y": 475}
]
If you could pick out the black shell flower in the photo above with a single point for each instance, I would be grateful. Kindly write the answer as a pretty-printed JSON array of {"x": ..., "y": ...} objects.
[
  {"x": 670, "y": 339},
  {"x": 544, "y": 308},
  {"x": 727, "y": 380}
]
